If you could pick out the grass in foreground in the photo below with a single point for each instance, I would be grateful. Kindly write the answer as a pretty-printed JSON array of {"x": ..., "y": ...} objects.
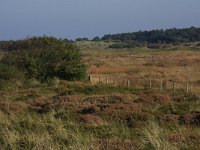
[{"x": 74, "y": 115}]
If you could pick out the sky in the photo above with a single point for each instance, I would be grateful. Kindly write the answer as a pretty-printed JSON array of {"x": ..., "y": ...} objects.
[{"x": 72, "y": 19}]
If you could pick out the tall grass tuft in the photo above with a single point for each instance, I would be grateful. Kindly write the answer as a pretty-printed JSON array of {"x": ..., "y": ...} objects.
[
  {"x": 154, "y": 137},
  {"x": 30, "y": 131}
]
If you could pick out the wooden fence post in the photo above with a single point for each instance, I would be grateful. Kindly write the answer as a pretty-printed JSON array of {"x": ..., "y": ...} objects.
[
  {"x": 174, "y": 87},
  {"x": 107, "y": 80},
  {"x": 128, "y": 83},
  {"x": 161, "y": 85},
  {"x": 187, "y": 88},
  {"x": 150, "y": 84},
  {"x": 115, "y": 82}
]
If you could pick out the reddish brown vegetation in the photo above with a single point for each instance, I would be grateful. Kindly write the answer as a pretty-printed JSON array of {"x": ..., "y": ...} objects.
[
  {"x": 90, "y": 119},
  {"x": 12, "y": 107},
  {"x": 154, "y": 99},
  {"x": 187, "y": 119},
  {"x": 176, "y": 137}
]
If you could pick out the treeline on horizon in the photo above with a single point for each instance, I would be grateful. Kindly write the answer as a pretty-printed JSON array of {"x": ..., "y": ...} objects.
[
  {"x": 150, "y": 39},
  {"x": 122, "y": 40},
  {"x": 191, "y": 34}
]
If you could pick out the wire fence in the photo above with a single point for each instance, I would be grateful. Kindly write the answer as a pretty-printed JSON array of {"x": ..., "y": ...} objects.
[{"x": 153, "y": 84}]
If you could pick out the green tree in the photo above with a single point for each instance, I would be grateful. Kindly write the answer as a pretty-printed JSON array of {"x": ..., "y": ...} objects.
[{"x": 96, "y": 39}]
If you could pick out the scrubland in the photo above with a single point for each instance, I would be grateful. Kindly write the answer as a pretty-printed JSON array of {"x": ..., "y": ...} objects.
[{"x": 83, "y": 115}]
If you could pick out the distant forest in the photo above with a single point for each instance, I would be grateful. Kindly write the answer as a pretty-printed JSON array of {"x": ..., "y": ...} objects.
[
  {"x": 122, "y": 40},
  {"x": 150, "y": 39},
  {"x": 155, "y": 36}
]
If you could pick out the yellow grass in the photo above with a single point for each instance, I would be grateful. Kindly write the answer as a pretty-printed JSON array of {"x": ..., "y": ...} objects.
[{"x": 181, "y": 66}]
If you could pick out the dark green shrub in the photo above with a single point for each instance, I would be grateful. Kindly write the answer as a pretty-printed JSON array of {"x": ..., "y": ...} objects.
[
  {"x": 56, "y": 59},
  {"x": 9, "y": 73},
  {"x": 30, "y": 43}
]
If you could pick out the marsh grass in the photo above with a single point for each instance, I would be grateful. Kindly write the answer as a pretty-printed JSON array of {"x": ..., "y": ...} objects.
[
  {"x": 28, "y": 131},
  {"x": 155, "y": 137},
  {"x": 31, "y": 131}
]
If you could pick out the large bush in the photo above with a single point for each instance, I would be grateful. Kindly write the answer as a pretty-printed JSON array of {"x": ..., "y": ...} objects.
[
  {"x": 30, "y": 43},
  {"x": 10, "y": 73},
  {"x": 47, "y": 59}
]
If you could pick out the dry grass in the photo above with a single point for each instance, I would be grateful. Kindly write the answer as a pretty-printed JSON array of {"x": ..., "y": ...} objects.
[
  {"x": 79, "y": 115},
  {"x": 155, "y": 137},
  {"x": 56, "y": 120},
  {"x": 181, "y": 66}
]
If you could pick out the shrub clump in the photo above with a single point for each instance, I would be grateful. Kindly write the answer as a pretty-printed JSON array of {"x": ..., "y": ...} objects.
[
  {"x": 56, "y": 59},
  {"x": 9, "y": 73}
]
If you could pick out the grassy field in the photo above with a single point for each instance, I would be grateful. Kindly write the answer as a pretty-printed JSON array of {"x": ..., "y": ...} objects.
[
  {"x": 180, "y": 66},
  {"x": 82, "y": 115}
]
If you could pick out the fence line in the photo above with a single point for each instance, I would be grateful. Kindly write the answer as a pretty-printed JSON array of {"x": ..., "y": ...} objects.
[{"x": 162, "y": 85}]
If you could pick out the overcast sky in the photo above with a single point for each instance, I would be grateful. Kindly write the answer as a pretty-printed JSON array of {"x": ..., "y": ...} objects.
[{"x": 88, "y": 18}]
